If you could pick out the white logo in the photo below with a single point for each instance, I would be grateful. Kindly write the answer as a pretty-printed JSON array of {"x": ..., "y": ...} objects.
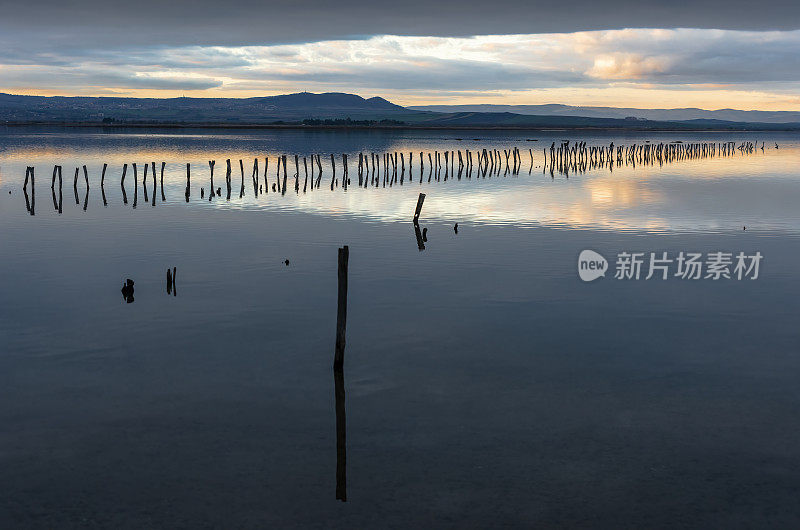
[
  {"x": 591, "y": 265},
  {"x": 662, "y": 265}
]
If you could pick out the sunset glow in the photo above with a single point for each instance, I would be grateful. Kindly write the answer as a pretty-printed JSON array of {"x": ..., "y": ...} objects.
[{"x": 644, "y": 68}]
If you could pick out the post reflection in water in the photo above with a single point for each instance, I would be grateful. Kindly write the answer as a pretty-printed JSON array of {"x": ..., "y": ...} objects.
[
  {"x": 341, "y": 435},
  {"x": 624, "y": 184},
  {"x": 57, "y": 204},
  {"x": 30, "y": 206},
  {"x": 418, "y": 235}
]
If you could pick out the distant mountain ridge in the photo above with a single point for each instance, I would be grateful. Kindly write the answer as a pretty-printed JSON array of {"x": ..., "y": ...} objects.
[
  {"x": 684, "y": 114},
  {"x": 266, "y": 109},
  {"x": 348, "y": 110}
]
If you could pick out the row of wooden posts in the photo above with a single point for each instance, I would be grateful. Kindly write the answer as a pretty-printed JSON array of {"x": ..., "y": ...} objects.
[
  {"x": 382, "y": 169},
  {"x": 578, "y": 157}
]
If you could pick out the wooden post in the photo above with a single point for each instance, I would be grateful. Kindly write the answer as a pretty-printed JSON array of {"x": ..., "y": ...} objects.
[
  {"x": 135, "y": 185},
  {"x": 155, "y": 183},
  {"x": 305, "y": 168},
  {"x": 103, "y": 195},
  {"x": 163, "y": 197},
  {"x": 241, "y": 186},
  {"x": 338, "y": 376},
  {"x": 86, "y": 198},
  {"x": 33, "y": 192},
  {"x": 333, "y": 168},
  {"x": 211, "y": 167},
  {"x": 296, "y": 174},
  {"x": 285, "y": 175},
  {"x": 341, "y": 310},
  {"x": 30, "y": 205},
  {"x": 266, "y": 167},
  {"x": 144, "y": 182},
  {"x": 75, "y": 186},
  {"x": 278, "y": 175},
  {"x": 254, "y": 177},
  {"x": 420, "y": 200},
  {"x": 227, "y": 180},
  {"x": 188, "y": 182},
  {"x": 53, "y": 193}
]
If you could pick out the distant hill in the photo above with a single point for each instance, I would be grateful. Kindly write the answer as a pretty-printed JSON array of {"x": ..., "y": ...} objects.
[
  {"x": 330, "y": 100},
  {"x": 750, "y": 116},
  {"x": 524, "y": 121},
  {"x": 339, "y": 109},
  {"x": 259, "y": 110}
]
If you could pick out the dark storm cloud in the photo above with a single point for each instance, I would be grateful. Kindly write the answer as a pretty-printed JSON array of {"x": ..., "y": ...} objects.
[{"x": 120, "y": 23}]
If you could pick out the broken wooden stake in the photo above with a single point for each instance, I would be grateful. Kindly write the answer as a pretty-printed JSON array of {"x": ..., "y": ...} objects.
[{"x": 418, "y": 210}]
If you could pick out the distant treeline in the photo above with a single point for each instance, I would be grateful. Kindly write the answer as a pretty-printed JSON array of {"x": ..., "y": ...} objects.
[
  {"x": 347, "y": 121},
  {"x": 335, "y": 122}
]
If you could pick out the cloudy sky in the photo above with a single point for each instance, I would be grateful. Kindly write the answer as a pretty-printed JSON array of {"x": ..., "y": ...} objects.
[{"x": 706, "y": 54}]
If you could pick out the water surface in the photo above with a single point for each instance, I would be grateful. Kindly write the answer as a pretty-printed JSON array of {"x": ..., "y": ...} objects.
[{"x": 485, "y": 384}]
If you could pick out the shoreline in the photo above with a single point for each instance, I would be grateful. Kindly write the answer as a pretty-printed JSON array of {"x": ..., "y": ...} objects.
[{"x": 172, "y": 125}]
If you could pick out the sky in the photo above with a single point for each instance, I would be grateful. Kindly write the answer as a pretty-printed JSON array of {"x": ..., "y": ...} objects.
[{"x": 706, "y": 54}]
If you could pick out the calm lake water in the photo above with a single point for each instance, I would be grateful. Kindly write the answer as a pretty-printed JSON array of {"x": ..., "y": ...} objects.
[{"x": 486, "y": 384}]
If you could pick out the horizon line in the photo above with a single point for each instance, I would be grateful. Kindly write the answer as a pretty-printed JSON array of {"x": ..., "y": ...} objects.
[{"x": 410, "y": 107}]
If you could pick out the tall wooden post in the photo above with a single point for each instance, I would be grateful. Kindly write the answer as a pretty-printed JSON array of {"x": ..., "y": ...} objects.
[{"x": 341, "y": 311}]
